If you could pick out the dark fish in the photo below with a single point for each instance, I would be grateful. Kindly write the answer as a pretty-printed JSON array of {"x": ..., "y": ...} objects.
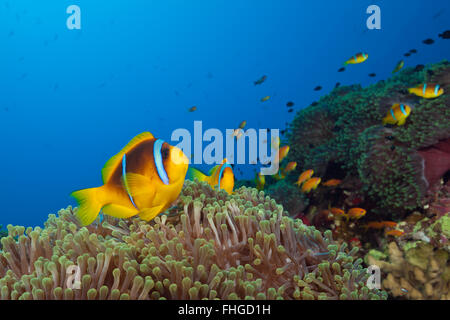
[
  {"x": 392, "y": 148},
  {"x": 318, "y": 88},
  {"x": 341, "y": 69},
  {"x": 338, "y": 84},
  {"x": 290, "y": 104},
  {"x": 372, "y": 75},
  {"x": 413, "y": 51},
  {"x": 419, "y": 67},
  {"x": 260, "y": 80},
  {"x": 290, "y": 110},
  {"x": 177, "y": 93},
  {"x": 283, "y": 132},
  {"x": 445, "y": 34},
  {"x": 430, "y": 72},
  {"x": 407, "y": 54},
  {"x": 314, "y": 103},
  {"x": 210, "y": 75},
  {"x": 428, "y": 41}
]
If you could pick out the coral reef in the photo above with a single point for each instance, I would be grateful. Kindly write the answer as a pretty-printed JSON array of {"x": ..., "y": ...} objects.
[
  {"x": 417, "y": 265},
  {"x": 210, "y": 246},
  {"x": 395, "y": 165}
]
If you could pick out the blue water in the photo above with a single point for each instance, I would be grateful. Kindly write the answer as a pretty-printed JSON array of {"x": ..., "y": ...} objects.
[{"x": 70, "y": 99}]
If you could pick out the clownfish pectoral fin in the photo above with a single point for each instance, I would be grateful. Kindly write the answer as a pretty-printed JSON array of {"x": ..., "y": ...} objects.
[
  {"x": 401, "y": 121},
  {"x": 113, "y": 163},
  {"x": 150, "y": 213},
  {"x": 118, "y": 211},
  {"x": 90, "y": 203},
  {"x": 193, "y": 173},
  {"x": 139, "y": 188}
]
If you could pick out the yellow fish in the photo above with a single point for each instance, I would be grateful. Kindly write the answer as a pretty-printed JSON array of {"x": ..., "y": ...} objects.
[
  {"x": 260, "y": 181},
  {"x": 242, "y": 124},
  {"x": 290, "y": 167},
  {"x": 357, "y": 58},
  {"x": 143, "y": 179},
  {"x": 427, "y": 90},
  {"x": 397, "y": 114},
  {"x": 282, "y": 153},
  {"x": 265, "y": 98},
  {"x": 304, "y": 176},
  {"x": 356, "y": 213},
  {"x": 220, "y": 176},
  {"x": 399, "y": 66},
  {"x": 311, "y": 184}
]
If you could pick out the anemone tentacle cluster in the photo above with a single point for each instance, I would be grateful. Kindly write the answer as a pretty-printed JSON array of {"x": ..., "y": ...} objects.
[{"x": 210, "y": 246}]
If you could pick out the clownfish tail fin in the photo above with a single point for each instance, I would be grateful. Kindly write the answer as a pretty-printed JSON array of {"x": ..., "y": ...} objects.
[
  {"x": 89, "y": 204},
  {"x": 193, "y": 173}
]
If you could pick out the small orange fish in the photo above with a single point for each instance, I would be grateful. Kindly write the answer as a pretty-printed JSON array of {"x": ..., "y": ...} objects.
[
  {"x": 394, "y": 233},
  {"x": 311, "y": 184},
  {"x": 389, "y": 224},
  {"x": 375, "y": 225},
  {"x": 282, "y": 153},
  {"x": 356, "y": 213},
  {"x": 192, "y": 109},
  {"x": 265, "y": 98},
  {"x": 332, "y": 183},
  {"x": 290, "y": 167},
  {"x": 337, "y": 211},
  {"x": 304, "y": 176}
]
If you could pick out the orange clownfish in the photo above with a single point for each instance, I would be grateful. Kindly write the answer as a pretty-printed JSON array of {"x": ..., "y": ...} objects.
[
  {"x": 356, "y": 213},
  {"x": 304, "y": 176},
  {"x": 397, "y": 114},
  {"x": 143, "y": 179},
  {"x": 357, "y": 58},
  {"x": 427, "y": 90},
  {"x": 220, "y": 176},
  {"x": 311, "y": 184},
  {"x": 332, "y": 183}
]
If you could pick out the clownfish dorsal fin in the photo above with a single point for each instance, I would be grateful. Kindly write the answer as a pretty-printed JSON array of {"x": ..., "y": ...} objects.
[{"x": 112, "y": 164}]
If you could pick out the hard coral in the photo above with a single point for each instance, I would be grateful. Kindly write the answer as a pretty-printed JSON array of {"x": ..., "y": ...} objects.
[
  {"x": 211, "y": 245},
  {"x": 417, "y": 265}
]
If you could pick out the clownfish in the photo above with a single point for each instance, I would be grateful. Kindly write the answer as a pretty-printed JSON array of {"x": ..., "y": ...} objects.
[
  {"x": 304, "y": 176},
  {"x": 397, "y": 114},
  {"x": 357, "y": 58},
  {"x": 220, "y": 176},
  {"x": 311, "y": 184},
  {"x": 143, "y": 179},
  {"x": 427, "y": 90}
]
